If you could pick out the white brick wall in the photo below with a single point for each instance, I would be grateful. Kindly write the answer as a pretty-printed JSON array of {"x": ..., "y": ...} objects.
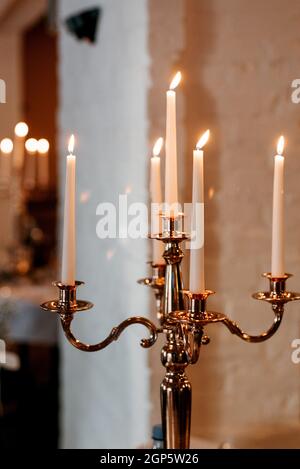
[{"x": 103, "y": 101}]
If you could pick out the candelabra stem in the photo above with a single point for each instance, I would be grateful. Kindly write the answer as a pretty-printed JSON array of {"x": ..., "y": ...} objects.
[
  {"x": 176, "y": 401},
  {"x": 158, "y": 298},
  {"x": 173, "y": 297},
  {"x": 175, "y": 394}
]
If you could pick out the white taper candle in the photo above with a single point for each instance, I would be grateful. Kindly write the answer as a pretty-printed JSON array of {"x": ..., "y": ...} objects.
[
  {"x": 43, "y": 163},
  {"x": 278, "y": 225},
  {"x": 21, "y": 131},
  {"x": 6, "y": 148},
  {"x": 69, "y": 239},
  {"x": 171, "y": 184},
  {"x": 31, "y": 146},
  {"x": 197, "y": 273},
  {"x": 156, "y": 200}
]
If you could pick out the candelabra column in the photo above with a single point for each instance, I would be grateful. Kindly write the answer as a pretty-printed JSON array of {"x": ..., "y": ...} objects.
[
  {"x": 175, "y": 394},
  {"x": 173, "y": 295},
  {"x": 172, "y": 299},
  {"x": 175, "y": 390}
]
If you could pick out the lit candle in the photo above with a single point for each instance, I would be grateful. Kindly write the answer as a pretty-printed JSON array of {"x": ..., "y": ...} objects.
[
  {"x": 171, "y": 187},
  {"x": 69, "y": 251},
  {"x": 31, "y": 146},
  {"x": 6, "y": 148},
  {"x": 21, "y": 131},
  {"x": 156, "y": 200},
  {"x": 43, "y": 162},
  {"x": 197, "y": 274},
  {"x": 278, "y": 267}
]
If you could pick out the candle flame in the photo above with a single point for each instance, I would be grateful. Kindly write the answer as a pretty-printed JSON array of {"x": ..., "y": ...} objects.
[
  {"x": 280, "y": 145},
  {"x": 176, "y": 80},
  {"x": 6, "y": 145},
  {"x": 203, "y": 140},
  {"x": 71, "y": 144},
  {"x": 158, "y": 146},
  {"x": 43, "y": 145},
  {"x": 31, "y": 145},
  {"x": 21, "y": 129}
]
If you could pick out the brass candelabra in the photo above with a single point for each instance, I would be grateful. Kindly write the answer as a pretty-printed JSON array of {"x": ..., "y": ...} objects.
[{"x": 182, "y": 317}]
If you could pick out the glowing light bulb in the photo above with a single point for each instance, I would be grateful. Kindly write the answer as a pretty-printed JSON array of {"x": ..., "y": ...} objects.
[
  {"x": 31, "y": 145},
  {"x": 6, "y": 146},
  {"x": 43, "y": 145},
  {"x": 21, "y": 129}
]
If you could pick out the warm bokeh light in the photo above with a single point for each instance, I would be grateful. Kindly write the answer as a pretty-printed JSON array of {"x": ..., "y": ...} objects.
[
  {"x": 176, "y": 80},
  {"x": 71, "y": 144},
  {"x": 43, "y": 145},
  {"x": 6, "y": 145},
  {"x": 31, "y": 145},
  {"x": 280, "y": 145},
  {"x": 85, "y": 197},
  {"x": 5, "y": 292},
  {"x": 211, "y": 192},
  {"x": 203, "y": 140},
  {"x": 21, "y": 129},
  {"x": 110, "y": 254},
  {"x": 158, "y": 146}
]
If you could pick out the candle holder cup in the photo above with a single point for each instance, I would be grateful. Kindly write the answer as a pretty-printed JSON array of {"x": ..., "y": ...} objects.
[
  {"x": 67, "y": 303},
  {"x": 157, "y": 282}
]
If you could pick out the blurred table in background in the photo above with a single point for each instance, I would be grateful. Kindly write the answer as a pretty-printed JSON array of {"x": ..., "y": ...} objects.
[
  {"x": 29, "y": 383},
  {"x": 26, "y": 322}
]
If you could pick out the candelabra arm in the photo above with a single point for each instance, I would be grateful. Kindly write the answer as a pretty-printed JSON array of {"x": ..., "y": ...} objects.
[
  {"x": 235, "y": 328},
  {"x": 277, "y": 297},
  {"x": 67, "y": 305},
  {"x": 66, "y": 320}
]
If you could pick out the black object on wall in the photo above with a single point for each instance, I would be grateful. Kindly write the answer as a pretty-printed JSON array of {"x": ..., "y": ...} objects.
[{"x": 84, "y": 25}]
